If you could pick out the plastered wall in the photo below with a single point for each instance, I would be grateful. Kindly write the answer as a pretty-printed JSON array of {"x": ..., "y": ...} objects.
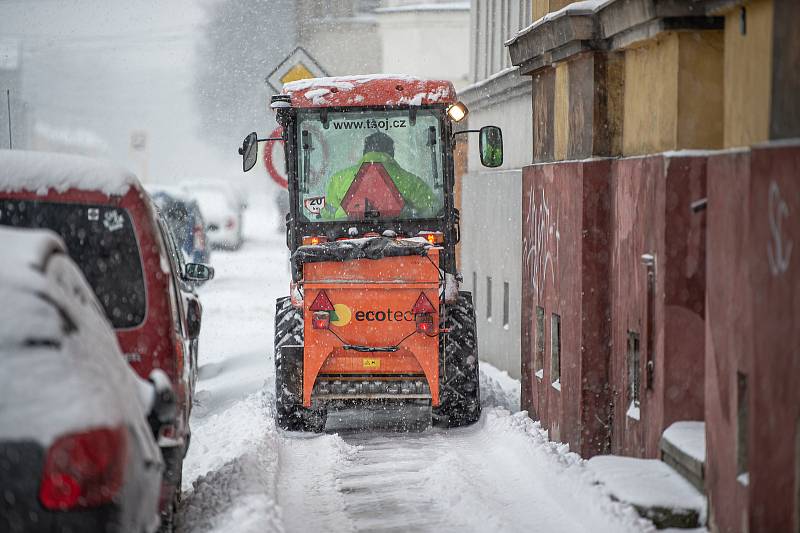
[
  {"x": 491, "y": 230},
  {"x": 748, "y": 73},
  {"x": 673, "y": 97}
]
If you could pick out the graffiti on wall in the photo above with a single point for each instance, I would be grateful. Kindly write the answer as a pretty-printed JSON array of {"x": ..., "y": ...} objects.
[
  {"x": 540, "y": 241},
  {"x": 779, "y": 248}
]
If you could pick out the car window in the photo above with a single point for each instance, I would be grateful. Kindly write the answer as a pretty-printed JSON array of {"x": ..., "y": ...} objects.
[{"x": 102, "y": 241}]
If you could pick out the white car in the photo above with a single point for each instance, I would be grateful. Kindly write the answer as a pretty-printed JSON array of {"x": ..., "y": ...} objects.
[
  {"x": 221, "y": 207},
  {"x": 77, "y": 446}
]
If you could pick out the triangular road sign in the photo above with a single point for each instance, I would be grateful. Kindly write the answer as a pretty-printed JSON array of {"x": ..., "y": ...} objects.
[{"x": 299, "y": 65}]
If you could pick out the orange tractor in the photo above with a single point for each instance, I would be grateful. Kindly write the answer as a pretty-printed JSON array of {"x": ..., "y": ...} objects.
[{"x": 374, "y": 317}]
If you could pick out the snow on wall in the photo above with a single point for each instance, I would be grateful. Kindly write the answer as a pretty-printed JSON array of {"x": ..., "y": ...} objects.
[
  {"x": 586, "y": 7},
  {"x": 41, "y": 171}
]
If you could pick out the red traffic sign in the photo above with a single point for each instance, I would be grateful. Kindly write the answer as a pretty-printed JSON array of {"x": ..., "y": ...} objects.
[{"x": 276, "y": 172}]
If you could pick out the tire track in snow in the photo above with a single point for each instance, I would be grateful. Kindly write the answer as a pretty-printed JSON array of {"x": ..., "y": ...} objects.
[{"x": 499, "y": 475}]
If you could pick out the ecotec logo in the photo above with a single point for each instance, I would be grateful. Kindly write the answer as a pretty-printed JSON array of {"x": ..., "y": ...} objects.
[{"x": 384, "y": 316}]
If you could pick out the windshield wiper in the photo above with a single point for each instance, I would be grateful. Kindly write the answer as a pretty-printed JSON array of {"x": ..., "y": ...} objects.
[
  {"x": 434, "y": 165},
  {"x": 307, "y": 148}
]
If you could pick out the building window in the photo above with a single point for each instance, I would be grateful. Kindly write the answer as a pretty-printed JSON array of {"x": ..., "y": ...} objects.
[
  {"x": 538, "y": 359},
  {"x": 489, "y": 298},
  {"x": 634, "y": 372},
  {"x": 555, "y": 350},
  {"x": 506, "y": 305},
  {"x": 742, "y": 423}
]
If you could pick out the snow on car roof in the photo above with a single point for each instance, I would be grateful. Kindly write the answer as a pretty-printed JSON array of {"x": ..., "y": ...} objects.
[
  {"x": 369, "y": 90},
  {"x": 41, "y": 171}
]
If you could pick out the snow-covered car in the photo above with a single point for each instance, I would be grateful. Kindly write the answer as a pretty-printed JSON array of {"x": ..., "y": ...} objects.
[
  {"x": 221, "y": 207},
  {"x": 77, "y": 444},
  {"x": 185, "y": 220},
  {"x": 109, "y": 226}
]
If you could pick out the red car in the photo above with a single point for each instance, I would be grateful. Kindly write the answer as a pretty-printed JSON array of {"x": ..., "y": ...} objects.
[{"x": 110, "y": 228}]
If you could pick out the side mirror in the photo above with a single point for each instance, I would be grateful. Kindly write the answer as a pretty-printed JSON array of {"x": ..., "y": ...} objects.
[
  {"x": 491, "y": 146},
  {"x": 198, "y": 272},
  {"x": 164, "y": 405},
  {"x": 249, "y": 151},
  {"x": 194, "y": 315}
]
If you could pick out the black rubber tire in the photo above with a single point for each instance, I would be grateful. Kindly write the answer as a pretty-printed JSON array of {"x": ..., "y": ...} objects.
[
  {"x": 290, "y": 414},
  {"x": 459, "y": 375},
  {"x": 288, "y": 370}
]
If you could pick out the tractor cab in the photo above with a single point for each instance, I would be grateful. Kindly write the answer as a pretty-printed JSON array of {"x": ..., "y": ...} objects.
[{"x": 372, "y": 227}]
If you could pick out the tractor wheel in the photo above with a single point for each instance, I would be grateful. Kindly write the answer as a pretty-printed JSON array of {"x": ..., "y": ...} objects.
[
  {"x": 288, "y": 370},
  {"x": 289, "y": 411},
  {"x": 459, "y": 384}
]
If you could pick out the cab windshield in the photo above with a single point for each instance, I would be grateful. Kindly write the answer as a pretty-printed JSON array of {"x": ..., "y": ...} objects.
[{"x": 368, "y": 164}]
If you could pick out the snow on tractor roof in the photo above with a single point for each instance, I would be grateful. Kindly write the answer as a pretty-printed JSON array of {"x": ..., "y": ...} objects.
[
  {"x": 42, "y": 171},
  {"x": 369, "y": 90}
]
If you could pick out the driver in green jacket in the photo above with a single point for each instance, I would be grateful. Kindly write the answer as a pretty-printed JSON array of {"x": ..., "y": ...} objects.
[{"x": 420, "y": 201}]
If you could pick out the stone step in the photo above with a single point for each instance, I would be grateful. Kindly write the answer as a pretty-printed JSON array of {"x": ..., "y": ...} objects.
[
  {"x": 653, "y": 488},
  {"x": 683, "y": 447}
]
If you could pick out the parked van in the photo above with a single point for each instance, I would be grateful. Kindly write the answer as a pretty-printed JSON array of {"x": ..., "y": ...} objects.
[{"x": 109, "y": 226}]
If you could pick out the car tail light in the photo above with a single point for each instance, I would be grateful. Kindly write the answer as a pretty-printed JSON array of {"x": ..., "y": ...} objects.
[
  {"x": 314, "y": 239},
  {"x": 230, "y": 223},
  {"x": 84, "y": 469},
  {"x": 321, "y": 303},
  {"x": 168, "y": 431},
  {"x": 321, "y": 320},
  {"x": 433, "y": 237}
]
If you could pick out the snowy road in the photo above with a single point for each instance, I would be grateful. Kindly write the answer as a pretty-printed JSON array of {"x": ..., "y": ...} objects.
[{"x": 242, "y": 475}]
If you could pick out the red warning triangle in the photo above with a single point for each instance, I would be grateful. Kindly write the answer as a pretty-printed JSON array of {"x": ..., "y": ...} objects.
[{"x": 373, "y": 190}]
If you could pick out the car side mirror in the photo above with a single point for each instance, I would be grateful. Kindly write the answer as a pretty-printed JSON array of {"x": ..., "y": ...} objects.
[
  {"x": 164, "y": 405},
  {"x": 194, "y": 315},
  {"x": 198, "y": 272},
  {"x": 491, "y": 146},
  {"x": 249, "y": 151}
]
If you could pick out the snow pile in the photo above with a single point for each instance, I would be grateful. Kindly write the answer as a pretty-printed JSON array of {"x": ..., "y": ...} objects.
[
  {"x": 648, "y": 484},
  {"x": 689, "y": 437},
  {"x": 230, "y": 471},
  {"x": 498, "y": 389},
  {"x": 240, "y": 490},
  {"x": 569, "y": 484},
  {"x": 40, "y": 171}
]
